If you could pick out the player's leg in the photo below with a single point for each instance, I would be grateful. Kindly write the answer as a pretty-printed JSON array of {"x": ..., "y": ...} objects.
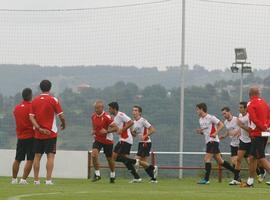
[
  {"x": 29, "y": 147},
  {"x": 108, "y": 148},
  {"x": 20, "y": 155},
  {"x": 50, "y": 150},
  {"x": 208, "y": 167},
  {"x": 240, "y": 156},
  {"x": 36, "y": 167},
  {"x": 97, "y": 146},
  {"x": 223, "y": 163},
  {"x": 39, "y": 150}
]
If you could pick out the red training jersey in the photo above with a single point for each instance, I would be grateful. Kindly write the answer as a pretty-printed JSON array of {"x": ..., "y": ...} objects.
[
  {"x": 24, "y": 127},
  {"x": 99, "y": 122},
  {"x": 259, "y": 116},
  {"x": 45, "y": 108}
]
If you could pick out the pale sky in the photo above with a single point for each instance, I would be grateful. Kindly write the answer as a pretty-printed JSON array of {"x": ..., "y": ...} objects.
[{"x": 144, "y": 36}]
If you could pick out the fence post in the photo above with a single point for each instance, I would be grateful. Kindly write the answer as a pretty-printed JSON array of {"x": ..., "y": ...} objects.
[{"x": 89, "y": 162}]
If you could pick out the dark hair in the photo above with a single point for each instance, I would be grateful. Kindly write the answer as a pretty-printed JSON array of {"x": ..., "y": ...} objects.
[
  {"x": 27, "y": 94},
  {"x": 114, "y": 105},
  {"x": 202, "y": 106},
  {"x": 243, "y": 103},
  {"x": 227, "y": 109},
  {"x": 45, "y": 85},
  {"x": 139, "y": 108}
]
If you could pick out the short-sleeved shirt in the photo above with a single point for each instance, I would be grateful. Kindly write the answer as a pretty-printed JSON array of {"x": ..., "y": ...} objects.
[
  {"x": 24, "y": 127},
  {"x": 244, "y": 137},
  {"x": 120, "y": 120},
  {"x": 99, "y": 122},
  {"x": 208, "y": 124},
  {"x": 140, "y": 127},
  {"x": 45, "y": 108},
  {"x": 232, "y": 126}
]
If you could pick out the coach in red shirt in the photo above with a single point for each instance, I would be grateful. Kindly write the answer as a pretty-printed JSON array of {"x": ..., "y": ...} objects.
[
  {"x": 259, "y": 116},
  {"x": 102, "y": 131},
  {"x": 43, "y": 114},
  {"x": 25, "y": 136}
]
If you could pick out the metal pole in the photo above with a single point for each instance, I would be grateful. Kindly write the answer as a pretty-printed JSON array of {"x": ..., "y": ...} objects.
[
  {"x": 241, "y": 83},
  {"x": 181, "y": 135}
]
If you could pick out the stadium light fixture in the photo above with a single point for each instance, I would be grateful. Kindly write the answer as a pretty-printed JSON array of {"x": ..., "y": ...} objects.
[{"x": 242, "y": 64}]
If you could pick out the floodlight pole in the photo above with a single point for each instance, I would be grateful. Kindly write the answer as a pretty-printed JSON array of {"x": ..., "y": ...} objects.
[
  {"x": 181, "y": 135},
  {"x": 241, "y": 82}
]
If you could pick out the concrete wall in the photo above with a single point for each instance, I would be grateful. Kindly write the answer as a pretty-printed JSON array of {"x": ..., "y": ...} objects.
[{"x": 68, "y": 164}]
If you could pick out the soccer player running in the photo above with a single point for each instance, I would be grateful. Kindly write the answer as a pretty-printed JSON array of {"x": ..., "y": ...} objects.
[
  {"x": 233, "y": 131},
  {"x": 122, "y": 148},
  {"x": 143, "y": 129},
  {"x": 102, "y": 131},
  {"x": 25, "y": 136},
  {"x": 259, "y": 117},
  {"x": 45, "y": 108},
  {"x": 210, "y": 126}
]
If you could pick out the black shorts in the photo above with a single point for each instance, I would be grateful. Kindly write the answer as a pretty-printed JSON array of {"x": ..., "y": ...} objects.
[
  {"x": 212, "y": 147},
  {"x": 107, "y": 148},
  {"x": 122, "y": 148},
  {"x": 244, "y": 147},
  {"x": 45, "y": 146},
  {"x": 25, "y": 147},
  {"x": 257, "y": 148},
  {"x": 144, "y": 149},
  {"x": 234, "y": 151}
]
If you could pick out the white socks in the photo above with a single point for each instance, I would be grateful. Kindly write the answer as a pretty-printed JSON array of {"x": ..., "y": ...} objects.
[{"x": 97, "y": 172}]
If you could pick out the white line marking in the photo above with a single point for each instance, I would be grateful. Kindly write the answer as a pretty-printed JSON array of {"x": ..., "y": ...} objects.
[{"x": 18, "y": 197}]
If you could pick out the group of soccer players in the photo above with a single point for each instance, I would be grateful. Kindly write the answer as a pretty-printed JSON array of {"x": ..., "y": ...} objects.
[
  {"x": 37, "y": 134},
  {"x": 247, "y": 138},
  {"x": 106, "y": 125}
]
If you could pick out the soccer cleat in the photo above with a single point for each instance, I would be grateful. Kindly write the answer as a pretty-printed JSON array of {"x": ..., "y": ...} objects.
[
  {"x": 155, "y": 171},
  {"x": 153, "y": 181},
  {"x": 96, "y": 178},
  {"x": 235, "y": 182},
  {"x": 138, "y": 180},
  {"x": 267, "y": 183},
  {"x": 261, "y": 177},
  {"x": 112, "y": 180},
  {"x": 37, "y": 182},
  {"x": 14, "y": 181},
  {"x": 49, "y": 182},
  {"x": 203, "y": 182},
  {"x": 23, "y": 182}
]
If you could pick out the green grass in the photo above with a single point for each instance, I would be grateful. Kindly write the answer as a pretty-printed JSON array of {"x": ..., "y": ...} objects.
[{"x": 171, "y": 189}]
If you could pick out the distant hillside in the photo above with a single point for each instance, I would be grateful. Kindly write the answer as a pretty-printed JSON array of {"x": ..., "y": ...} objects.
[{"x": 15, "y": 77}]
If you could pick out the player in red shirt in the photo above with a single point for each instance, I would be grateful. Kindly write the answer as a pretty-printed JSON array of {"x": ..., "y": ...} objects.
[
  {"x": 43, "y": 114},
  {"x": 25, "y": 136},
  {"x": 102, "y": 131},
  {"x": 259, "y": 118}
]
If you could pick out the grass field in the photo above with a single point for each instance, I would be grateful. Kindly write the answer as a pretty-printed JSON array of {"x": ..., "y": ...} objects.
[{"x": 171, "y": 189}]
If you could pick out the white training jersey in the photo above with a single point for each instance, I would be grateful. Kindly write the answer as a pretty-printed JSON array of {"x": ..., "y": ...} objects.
[
  {"x": 244, "y": 137},
  {"x": 232, "y": 126},
  {"x": 120, "y": 120},
  {"x": 140, "y": 127},
  {"x": 208, "y": 124}
]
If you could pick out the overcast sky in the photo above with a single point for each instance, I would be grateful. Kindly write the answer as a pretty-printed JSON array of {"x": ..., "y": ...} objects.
[{"x": 145, "y": 35}]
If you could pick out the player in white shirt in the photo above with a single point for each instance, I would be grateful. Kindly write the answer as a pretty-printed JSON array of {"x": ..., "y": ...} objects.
[
  {"x": 210, "y": 126},
  {"x": 233, "y": 131},
  {"x": 122, "y": 149},
  {"x": 143, "y": 129}
]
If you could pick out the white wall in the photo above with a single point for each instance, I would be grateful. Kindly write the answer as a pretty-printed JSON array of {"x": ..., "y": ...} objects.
[{"x": 68, "y": 164}]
